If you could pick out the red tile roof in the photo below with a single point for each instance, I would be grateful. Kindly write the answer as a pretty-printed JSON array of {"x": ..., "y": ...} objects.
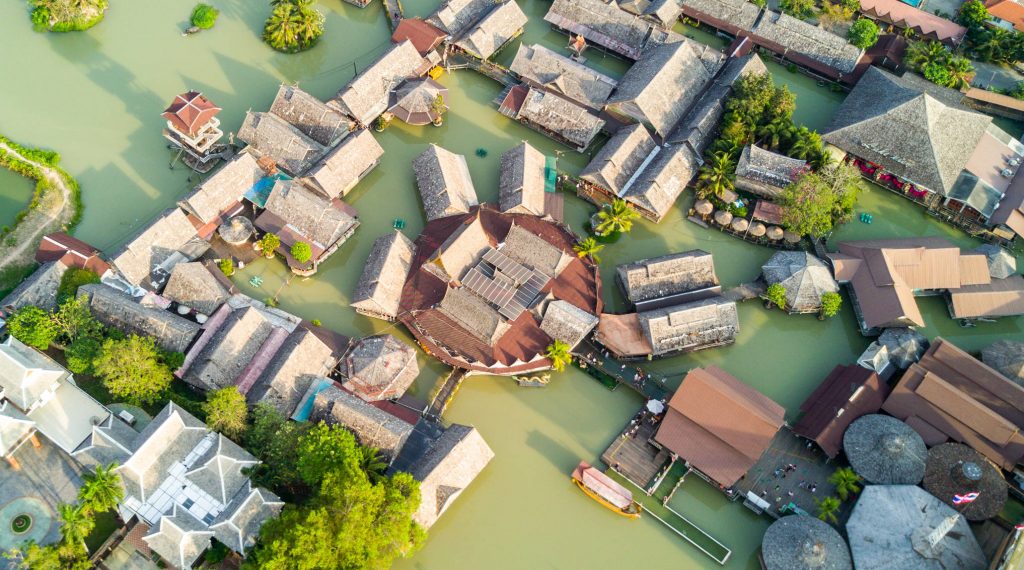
[
  {"x": 423, "y": 36},
  {"x": 1007, "y": 10},
  {"x": 848, "y": 393},
  {"x": 189, "y": 112},
  {"x": 70, "y": 251}
]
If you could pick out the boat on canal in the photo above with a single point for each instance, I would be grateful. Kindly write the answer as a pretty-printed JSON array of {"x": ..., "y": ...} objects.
[{"x": 606, "y": 491}]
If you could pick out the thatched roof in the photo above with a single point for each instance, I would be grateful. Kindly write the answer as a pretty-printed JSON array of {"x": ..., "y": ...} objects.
[
  {"x": 568, "y": 323},
  {"x": 489, "y": 34},
  {"x": 448, "y": 467},
  {"x": 372, "y": 426},
  {"x": 905, "y": 345},
  {"x": 804, "y": 543},
  {"x": 805, "y": 277},
  {"x": 456, "y": 16},
  {"x": 885, "y": 451},
  {"x": 366, "y": 96},
  {"x": 891, "y": 525},
  {"x": 38, "y": 289},
  {"x": 766, "y": 173},
  {"x": 667, "y": 275},
  {"x": 321, "y": 221},
  {"x": 1006, "y": 356},
  {"x": 473, "y": 314},
  {"x": 662, "y": 85},
  {"x": 690, "y": 326},
  {"x": 379, "y": 367},
  {"x": 656, "y": 189},
  {"x": 415, "y": 102},
  {"x": 1001, "y": 263},
  {"x": 809, "y": 40},
  {"x": 300, "y": 359},
  {"x": 313, "y": 117},
  {"x": 224, "y": 188},
  {"x": 601, "y": 23},
  {"x": 443, "y": 180},
  {"x": 664, "y": 12},
  {"x": 192, "y": 285},
  {"x": 155, "y": 248},
  {"x": 272, "y": 136},
  {"x": 521, "y": 181},
  {"x": 620, "y": 158},
  {"x": 379, "y": 290},
  {"x": 553, "y": 113},
  {"x": 740, "y": 14},
  {"x": 535, "y": 252},
  {"x": 119, "y": 310},
  {"x": 235, "y": 344},
  {"x": 956, "y": 469},
  {"x": 346, "y": 165},
  {"x": 545, "y": 68}
]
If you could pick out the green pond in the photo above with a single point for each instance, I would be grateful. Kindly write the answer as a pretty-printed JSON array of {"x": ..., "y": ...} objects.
[
  {"x": 96, "y": 97},
  {"x": 15, "y": 193}
]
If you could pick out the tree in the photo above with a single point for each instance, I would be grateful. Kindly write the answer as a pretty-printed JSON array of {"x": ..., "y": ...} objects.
[
  {"x": 558, "y": 353},
  {"x": 301, "y": 251},
  {"x": 816, "y": 201},
  {"x": 830, "y": 305},
  {"x": 960, "y": 72},
  {"x": 863, "y": 33},
  {"x": 72, "y": 279},
  {"x": 439, "y": 107},
  {"x": 846, "y": 481},
  {"x": 827, "y": 509},
  {"x": 775, "y": 133},
  {"x": 67, "y": 15},
  {"x": 328, "y": 449},
  {"x": 80, "y": 354},
  {"x": 806, "y": 144},
  {"x": 293, "y": 26},
  {"x": 920, "y": 54},
  {"x": 204, "y": 16},
  {"x": 101, "y": 490},
  {"x": 131, "y": 369},
  {"x": 776, "y": 295},
  {"x": 73, "y": 319},
  {"x": 33, "y": 326},
  {"x": 75, "y": 523},
  {"x": 973, "y": 15},
  {"x": 268, "y": 244},
  {"x": 716, "y": 176},
  {"x": 31, "y": 556},
  {"x": 226, "y": 412},
  {"x": 803, "y": 9},
  {"x": 372, "y": 463},
  {"x": 616, "y": 217},
  {"x": 275, "y": 441},
  {"x": 588, "y": 247},
  {"x": 833, "y": 13}
]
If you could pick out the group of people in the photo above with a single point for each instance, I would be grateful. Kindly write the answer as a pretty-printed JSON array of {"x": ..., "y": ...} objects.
[{"x": 781, "y": 473}]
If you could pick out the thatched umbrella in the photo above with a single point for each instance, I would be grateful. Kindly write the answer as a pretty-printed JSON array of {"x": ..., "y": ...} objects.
[
  {"x": 236, "y": 231},
  {"x": 1006, "y": 356},
  {"x": 885, "y": 451},
  {"x": 414, "y": 101},
  {"x": 905, "y": 345},
  {"x": 740, "y": 224},
  {"x": 723, "y": 218},
  {"x": 804, "y": 543},
  {"x": 757, "y": 229},
  {"x": 774, "y": 233},
  {"x": 955, "y": 469},
  {"x": 704, "y": 207},
  {"x": 791, "y": 237},
  {"x": 1000, "y": 263}
]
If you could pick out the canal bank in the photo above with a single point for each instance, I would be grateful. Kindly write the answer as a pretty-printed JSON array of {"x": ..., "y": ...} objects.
[{"x": 101, "y": 94}]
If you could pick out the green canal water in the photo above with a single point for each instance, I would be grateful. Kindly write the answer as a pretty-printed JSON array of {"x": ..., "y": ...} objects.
[
  {"x": 15, "y": 192},
  {"x": 96, "y": 98}
]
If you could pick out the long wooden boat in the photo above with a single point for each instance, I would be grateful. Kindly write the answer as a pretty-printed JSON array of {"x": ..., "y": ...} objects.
[{"x": 605, "y": 491}]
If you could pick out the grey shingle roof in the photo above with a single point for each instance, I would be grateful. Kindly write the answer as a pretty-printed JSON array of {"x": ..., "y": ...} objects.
[
  {"x": 38, "y": 289},
  {"x": 664, "y": 12},
  {"x": 451, "y": 463},
  {"x": 310, "y": 214},
  {"x": 739, "y": 13},
  {"x": 192, "y": 285},
  {"x": 272, "y": 136},
  {"x": 805, "y": 277},
  {"x": 663, "y": 180},
  {"x": 545, "y": 68},
  {"x": 497, "y": 28},
  {"x": 223, "y": 188},
  {"x": 366, "y": 96},
  {"x": 473, "y": 314},
  {"x": 602, "y": 23},
  {"x": 566, "y": 322},
  {"x": 232, "y": 348},
  {"x": 123, "y": 312},
  {"x": 26, "y": 374},
  {"x": 690, "y": 326},
  {"x": 535, "y": 252},
  {"x": 807, "y": 39},
  {"x": 667, "y": 275},
  {"x": 372, "y": 426},
  {"x": 239, "y": 525},
  {"x": 379, "y": 290},
  {"x": 443, "y": 180},
  {"x": 766, "y": 173},
  {"x": 521, "y": 183},
  {"x": 346, "y": 165},
  {"x": 380, "y": 367},
  {"x": 301, "y": 358},
  {"x": 456, "y": 16},
  {"x": 313, "y": 117},
  {"x": 155, "y": 245},
  {"x": 556, "y": 114},
  {"x": 620, "y": 158},
  {"x": 179, "y": 539}
]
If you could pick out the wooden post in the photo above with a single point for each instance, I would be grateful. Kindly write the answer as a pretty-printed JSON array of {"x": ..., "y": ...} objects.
[
  {"x": 35, "y": 441},
  {"x": 13, "y": 463}
]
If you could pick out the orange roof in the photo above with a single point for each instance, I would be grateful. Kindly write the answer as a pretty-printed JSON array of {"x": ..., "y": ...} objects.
[
  {"x": 718, "y": 424},
  {"x": 424, "y": 37},
  {"x": 189, "y": 112},
  {"x": 1007, "y": 10},
  {"x": 906, "y": 16},
  {"x": 70, "y": 251},
  {"x": 1000, "y": 298}
]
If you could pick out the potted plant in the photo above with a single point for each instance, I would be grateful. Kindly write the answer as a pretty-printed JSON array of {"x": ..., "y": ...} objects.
[
  {"x": 268, "y": 244},
  {"x": 438, "y": 107}
]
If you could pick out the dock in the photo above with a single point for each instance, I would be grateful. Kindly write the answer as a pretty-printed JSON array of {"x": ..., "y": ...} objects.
[
  {"x": 650, "y": 386},
  {"x": 393, "y": 9},
  {"x": 444, "y": 394},
  {"x": 459, "y": 60},
  {"x": 746, "y": 291},
  {"x": 634, "y": 457}
]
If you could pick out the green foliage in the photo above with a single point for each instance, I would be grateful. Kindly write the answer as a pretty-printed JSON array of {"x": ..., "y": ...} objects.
[
  {"x": 270, "y": 301},
  {"x": 816, "y": 201},
  {"x": 301, "y": 251},
  {"x": 716, "y": 175},
  {"x": 31, "y": 556},
  {"x": 171, "y": 359},
  {"x": 227, "y": 266},
  {"x": 131, "y": 369},
  {"x": 588, "y": 247},
  {"x": 101, "y": 490},
  {"x": 76, "y": 523},
  {"x": 846, "y": 482},
  {"x": 268, "y": 244},
  {"x": 33, "y": 326},
  {"x": 373, "y": 464},
  {"x": 973, "y": 15},
  {"x": 803, "y": 9},
  {"x": 830, "y": 305},
  {"x": 939, "y": 65},
  {"x": 559, "y": 355},
  {"x": 827, "y": 509},
  {"x": 833, "y": 13},
  {"x": 328, "y": 449},
  {"x": 315, "y": 322},
  {"x": 204, "y": 16},
  {"x": 226, "y": 412},
  {"x": 73, "y": 320},
  {"x": 776, "y": 295},
  {"x": 275, "y": 441},
  {"x": 217, "y": 552},
  {"x": 293, "y": 26},
  {"x": 72, "y": 279},
  {"x": 1018, "y": 91},
  {"x": 81, "y": 353},
  {"x": 67, "y": 15},
  {"x": 616, "y": 217},
  {"x": 863, "y": 33}
]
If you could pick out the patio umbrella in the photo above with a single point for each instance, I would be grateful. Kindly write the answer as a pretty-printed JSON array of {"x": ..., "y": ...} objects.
[
  {"x": 414, "y": 101},
  {"x": 804, "y": 543},
  {"x": 704, "y": 207},
  {"x": 955, "y": 469},
  {"x": 774, "y": 233},
  {"x": 1000, "y": 263},
  {"x": 757, "y": 229},
  {"x": 655, "y": 406},
  {"x": 885, "y": 451},
  {"x": 905, "y": 345},
  {"x": 236, "y": 231},
  {"x": 1006, "y": 356},
  {"x": 790, "y": 236},
  {"x": 723, "y": 218},
  {"x": 740, "y": 224}
]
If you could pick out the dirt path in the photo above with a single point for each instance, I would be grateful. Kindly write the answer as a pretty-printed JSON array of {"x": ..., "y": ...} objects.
[{"x": 52, "y": 213}]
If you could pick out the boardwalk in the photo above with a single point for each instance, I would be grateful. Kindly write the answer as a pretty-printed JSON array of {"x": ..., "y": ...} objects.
[
  {"x": 649, "y": 385},
  {"x": 393, "y": 8},
  {"x": 494, "y": 71},
  {"x": 746, "y": 291},
  {"x": 445, "y": 393},
  {"x": 633, "y": 456}
]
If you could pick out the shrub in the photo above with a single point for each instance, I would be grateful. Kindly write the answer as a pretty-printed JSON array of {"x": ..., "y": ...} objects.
[
  {"x": 268, "y": 243},
  {"x": 81, "y": 353},
  {"x": 830, "y": 304},
  {"x": 171, "y": 359},
  {"x": 301, "y": 251},
  {"x": 776, "y": 295},
  {"x": 33, "y": 326},
  {"x": 227, "y": 267},
  {"x": 863, "y": 33},
  {"x": 316, "y": 322},
  {"x": 72, "y": 279},
  {"x": 204, "y": 16}
]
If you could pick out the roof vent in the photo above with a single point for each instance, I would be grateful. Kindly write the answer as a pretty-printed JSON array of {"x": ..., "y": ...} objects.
[
  {"x": 1006, "y": 173},
  {"x": 1013, "y": 161}
]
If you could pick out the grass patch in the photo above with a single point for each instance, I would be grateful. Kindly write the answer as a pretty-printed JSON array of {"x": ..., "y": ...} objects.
[
  {"x": 10, "y": 277},
  {"x": 106, "y": 524}
]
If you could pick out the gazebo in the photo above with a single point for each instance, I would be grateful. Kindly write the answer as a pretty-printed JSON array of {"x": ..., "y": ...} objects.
[
  {"x": 956, "y": 469},
  {"x": 379, "y": 367},
  {"x": 906, "y": 346},
  {"x": 236, "y": 231},
  {"x": 804, "y": 543},
  {"x": 723, "y": 218},
  {"x": 774, "y": 233},
  {"x": 885, "y": 451},
  {"x": 1007, "y": 357},
  {"x": 805, "y": 277},
  {"x": 414, "y": 101},
  {"x": 1000, "y": 263},
  {"x": 704, "y": 207}
]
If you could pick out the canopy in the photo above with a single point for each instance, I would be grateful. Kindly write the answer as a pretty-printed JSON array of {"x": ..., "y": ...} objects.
[
  {"x": 740, "y": 224},
  {"x": 723, "y": 217},
  {"x": 774, "y": 232},
  {"x": 602, "y": 485},
  {"x": 790, "y": 236},
  {"x": 655, "y": 406},
  {"x": 885, "y": 451},
  {"x": 414, "y": 101},
  {"x": 703, "y": 207},
  {"x": 757, "y": 229},
  {"x": 804, "y": 543}
]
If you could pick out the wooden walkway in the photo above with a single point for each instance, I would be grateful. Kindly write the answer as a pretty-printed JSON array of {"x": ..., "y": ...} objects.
[
  {"x": 746, "y": 291},
  {"x": 393, "y": 8},
  {"x": 650, "y": 386},
  {"x": 444, "y": 394},
  {"x": 494, "y": 71},
  {"x": 633, "y": 456}
]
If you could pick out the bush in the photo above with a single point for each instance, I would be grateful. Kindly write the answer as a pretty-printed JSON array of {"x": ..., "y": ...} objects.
[
  {"x": 316, "y": 322},
  {"x": 204, "y": 16},
  {"x": 132, "y": 370},
  {"x": 301, "y": 251},
  {"x": 863, "y": 33},
  {"x": 33, "y": 326},
  {"x": 171, "y": 359},
  {"x": 268, "y": 243},
  {"x": 226, "y": 412},
  {"x": 227, "y": 267},
  {"x": 72, "y": 279},
  {"x": 81, "y": 353}
]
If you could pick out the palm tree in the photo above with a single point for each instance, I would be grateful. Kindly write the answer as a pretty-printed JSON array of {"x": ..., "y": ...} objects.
[
  {"x": 615, "y": 217},
  {"x": 75, "y": 523},
  {"x": 920, "y": 54},
  {"x": 806, "y": 143},
  {"x": 775, "y": 133},
  {"x": 827, "y": 509},
  {"x": 101, "y": 490},
  {"x": 990, "y": 48},
  {"x": 716, "y": 175},
  {"x": 372, "y": 463},
  {"x": 846, "y": 481},
  {"x": 960, "y": 71},
  {"x": 293, "y": 26},
  {"x": 588, "y": 247},
  {"x": 559, "y": 355}
]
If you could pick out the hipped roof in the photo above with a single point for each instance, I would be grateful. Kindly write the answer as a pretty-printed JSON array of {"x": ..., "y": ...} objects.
[{"x": 847, "y": 393}]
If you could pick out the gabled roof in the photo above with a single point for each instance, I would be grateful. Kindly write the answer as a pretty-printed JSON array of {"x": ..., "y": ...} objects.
[
  {"x": 905, "y": 16},
  {"x": 380, "y": 367},
  {"x": 372, "y": 426},
  {"x": 72, "y": 252},
  {"x": 690, "y": 326},
  {"x": 224, "y": 188},
  {"x": 301, "y": 358},
  {"x": 568, "y": 323},
  {"x": 497, "y": 28},
  {"x": 448, "y": 467},
  {"x": 319, "y": 220},
  {"x": 124, "y": 312},
  {"x": 366, "y": 96},
  {"x": 154, "y": 246},
  {"x": 656, "y": 188},
  {"x": 522, "y": 179},
  {"x": 314, "y": 118},
  {"x": 764, "y": 167},
  {"x": 667, "y": 275},
  {"x": 545, "y": 68},
  {"x": 346, "y": 165},
  {"x": 443, "y": 180},
  {"x": 231, "y": 349},
  {"x": 847, "y": 393},
  {"x": 218, "y": 471},
  {"x": 239, "y": 525},
  {"x": 190, "y": 112},
  {"x": 620, "y": 158},
  {"x": 110, "y": 442},
  {"x": 602, "y": 23},
  {"x": 1007, "y": 10},
  {"x": 556, "y": 114},
  {"x": 272, "y": 136},
  {"x": 1000, "y": 298},
  {"x": 807, "y": 39},
  {"x": 179, "y": 539},
  {"x": 664, "y": 12},
  {"x": 14, "y": 428},
  {"x": 424, "y": 37},
  {"x": 38, "y": 289},
  {"x": 191, "y": 284},
  {"x": 26, "y": 374},
  {"x": 892, "y": 122},
  {"x": 379, "y": 290},
  {"x": 456, "y": 16}
]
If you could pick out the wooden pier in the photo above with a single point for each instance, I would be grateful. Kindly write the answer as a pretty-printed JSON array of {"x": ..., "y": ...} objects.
[
  {"x": 493, "y": 70},
  {"x": 444, "y": 394},
  {"x": 393, "y": 8},
  {"x": 746, "y": 291},
  {"x": 634, "y": 457},
  {"x": 650, "y": 386}
]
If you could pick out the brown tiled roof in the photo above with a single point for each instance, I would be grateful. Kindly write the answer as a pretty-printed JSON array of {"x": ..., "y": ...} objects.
[
  {"x": 718, "y": 424},
  {"x": 908, "y": 17},
  {"x": 190, "y": 111},
  {"x": 1007, "y": 10},
  {"x": 961, "y": 397},
  {"x": 848, "y": 393},
  {"x": 424, "y": 37},
  {"x": 70, "y": 251},
  {"x": 1000, "y": 298}
]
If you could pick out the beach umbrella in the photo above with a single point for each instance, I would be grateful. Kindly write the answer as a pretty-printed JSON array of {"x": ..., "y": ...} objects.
[
  {"x": 774, "y": 233},
  {"x": 757, "y": 229},
  {"x": 790, "y": 237},
  {"x": 236, "y": 231},
  {"x": 1007, "y": 357},
  {"x": 655, "y": 406},
  {"x": 723, "y": 218},
  {"x": 704, "y": 207},
  {"x": 414, "y": 101},
  {"x": 885, "y": 451},
  {"x": 906, "y": 346},
  {"x": 804, "y": 543},
  {"x": 740, "y": 224},
  {"x": 955, "y": 470},
  {"x": 1000, "y": 263}
]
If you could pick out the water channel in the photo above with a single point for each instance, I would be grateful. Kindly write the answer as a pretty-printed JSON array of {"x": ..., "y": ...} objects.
[
  {"x": 96, "y": 98},
  {"x": 15, "y": 193}
]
